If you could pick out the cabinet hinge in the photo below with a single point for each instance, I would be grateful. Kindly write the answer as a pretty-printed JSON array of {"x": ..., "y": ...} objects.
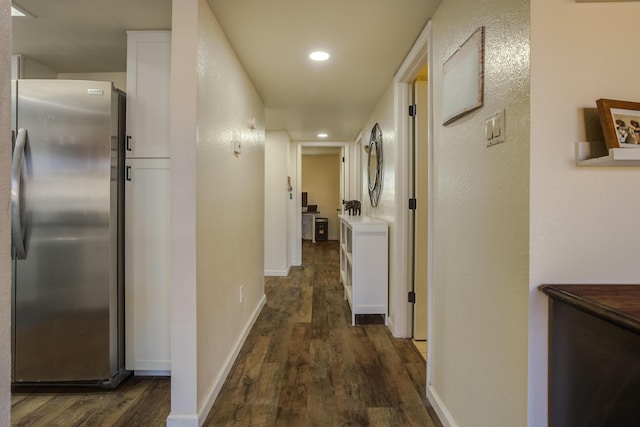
[
  {"x": 413, "y": 110},
  {"x": 413, "y": 204},
  {"x": 412, "y": 297}
]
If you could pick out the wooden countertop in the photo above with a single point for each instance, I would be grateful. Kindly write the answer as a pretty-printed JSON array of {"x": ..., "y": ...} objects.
[{"x": 619, "y": 304}]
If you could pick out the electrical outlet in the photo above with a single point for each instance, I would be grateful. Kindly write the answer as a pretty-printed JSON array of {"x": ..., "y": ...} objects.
[
  {"x": 241, "y": 294},
  {"x": 237, "y": 147}
]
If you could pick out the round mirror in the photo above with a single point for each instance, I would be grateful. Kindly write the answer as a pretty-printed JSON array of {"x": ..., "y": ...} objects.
[{"x": 374, "y": 168}]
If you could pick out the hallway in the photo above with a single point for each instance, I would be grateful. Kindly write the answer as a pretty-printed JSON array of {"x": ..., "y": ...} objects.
[{"x": 302, "y": 364}]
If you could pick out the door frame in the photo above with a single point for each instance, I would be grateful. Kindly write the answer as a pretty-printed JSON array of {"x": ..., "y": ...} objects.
[
  {"x": 419, "y": 56},
  {"x": 296, "y": 237}
]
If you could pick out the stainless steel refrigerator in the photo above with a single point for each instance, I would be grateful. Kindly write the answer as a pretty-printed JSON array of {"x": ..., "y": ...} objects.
[{"x": 67, "y": 232}]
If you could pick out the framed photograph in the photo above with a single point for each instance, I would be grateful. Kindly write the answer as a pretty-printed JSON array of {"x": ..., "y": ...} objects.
[
  {"x": 620, "y": 122},
  {"x": 463, "y": 79}
]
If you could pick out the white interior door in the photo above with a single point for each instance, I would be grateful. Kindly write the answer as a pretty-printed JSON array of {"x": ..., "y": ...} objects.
[
  {"x": 421, "y": 175},
  {"x": 344, "y": 180}
]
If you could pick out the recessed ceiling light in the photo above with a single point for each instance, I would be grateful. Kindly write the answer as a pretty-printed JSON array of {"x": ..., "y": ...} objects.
[
  {"x": 16, "y": 12},
  {"x": 322, "y": 135},
  {"x": 319, "y": 56}
]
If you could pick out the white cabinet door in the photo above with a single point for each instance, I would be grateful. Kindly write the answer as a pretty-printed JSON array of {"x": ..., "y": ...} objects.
[
  {"x": 148, "y": 90},
  {"x": 147, "y": 265}
]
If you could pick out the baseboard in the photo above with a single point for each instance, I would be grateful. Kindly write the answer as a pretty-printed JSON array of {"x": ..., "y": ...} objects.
[
  {"x": 150, "y": 373},
  {"x": 182, "y": 420},
  {"x": 278, "y": 273},
  {"x": 441, "y": 410},
  {"x": 217, "y": 385}
]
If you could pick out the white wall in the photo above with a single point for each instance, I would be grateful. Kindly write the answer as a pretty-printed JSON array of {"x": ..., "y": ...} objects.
[
  {"x": 230, "y": 203},
  {"x": 5, "y": 239},
  {"x": 119, "y": 79},
  {"x": 295, "y": 239},
  {"x": 356, "y": 153},
  {"x": 582, "y": 227},
  {"x": 391, "y": 207},
  {"x": 220, "y": 197},
  {"x": 184, "y": 94},
  {"x": 23, "y": 67},
  {"x": 481, "y": 225},
  {"x": 384, "y": 115},
  {"x": 277, "y": 204}
]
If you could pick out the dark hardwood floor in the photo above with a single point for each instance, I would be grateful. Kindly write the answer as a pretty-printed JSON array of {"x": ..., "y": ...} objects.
[
  {"x": 303, "y": 364},
  {"x": 138, "y": 401}
]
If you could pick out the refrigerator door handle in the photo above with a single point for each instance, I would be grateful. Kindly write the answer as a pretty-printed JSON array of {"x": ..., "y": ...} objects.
[{"x": 17, "y": 212}]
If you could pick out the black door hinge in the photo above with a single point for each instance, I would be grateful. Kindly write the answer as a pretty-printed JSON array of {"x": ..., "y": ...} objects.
[
  {"x": 413, "y": 110},
  {"x": 413, "y": 204},
  {"x": 342, "y": 159},
  {"x": 412, "y": 297}
]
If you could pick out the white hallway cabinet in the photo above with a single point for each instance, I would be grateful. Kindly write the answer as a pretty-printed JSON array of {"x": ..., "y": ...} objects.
[
  {"x": 147, "y": 203},
  {"x": 364, "y": 254}
]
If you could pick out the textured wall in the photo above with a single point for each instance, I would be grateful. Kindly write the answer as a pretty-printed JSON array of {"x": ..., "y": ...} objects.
[
  {"x": 184, "y": 327},
  {"x": 277, "y": 203},
  {"x": 384, "y": 115},
  {"x": 5, "y": 239},
  {"x": 217, "y": 209},
  {"x": 583, "y": 227},
  {"x": 119, "y": 79},
  {"x": 230, "y": 201},
  {"x": 481, "y": 224}
]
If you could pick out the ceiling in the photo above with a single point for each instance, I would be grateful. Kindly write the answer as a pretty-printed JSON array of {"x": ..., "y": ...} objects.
[{"x": 367, "y": 40}]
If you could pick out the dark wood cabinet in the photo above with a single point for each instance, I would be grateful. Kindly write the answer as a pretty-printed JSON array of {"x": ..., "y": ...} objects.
[{"x": 594, "y": 355}]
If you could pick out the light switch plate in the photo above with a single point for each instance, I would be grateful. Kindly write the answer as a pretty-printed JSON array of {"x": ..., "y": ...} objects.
[
  {"x": 489, "y": 128},
  {"x": 498, "y": 126}
]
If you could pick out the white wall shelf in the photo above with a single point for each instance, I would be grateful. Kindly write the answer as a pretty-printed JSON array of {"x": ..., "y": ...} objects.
[
  {"x": 596, "y": 154},
  {"x": 364, "y": 257}
]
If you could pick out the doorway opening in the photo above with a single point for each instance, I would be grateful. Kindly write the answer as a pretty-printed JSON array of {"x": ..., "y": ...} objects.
[
  {"x": 326, "y": 201},
  {"x": 419, "y": 222},
  {"x": 415, "y": 130}
]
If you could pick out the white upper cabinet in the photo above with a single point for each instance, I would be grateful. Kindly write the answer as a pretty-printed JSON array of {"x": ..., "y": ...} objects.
[{"x": 148, "y": 90}]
